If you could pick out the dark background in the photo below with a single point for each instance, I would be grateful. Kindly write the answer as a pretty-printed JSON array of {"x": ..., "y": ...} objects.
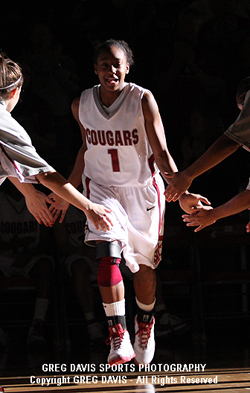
[{"x": 192, "y": 56}]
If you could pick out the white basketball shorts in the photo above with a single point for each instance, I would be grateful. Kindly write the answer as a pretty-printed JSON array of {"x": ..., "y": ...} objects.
[{"x": 138, "y": 220}]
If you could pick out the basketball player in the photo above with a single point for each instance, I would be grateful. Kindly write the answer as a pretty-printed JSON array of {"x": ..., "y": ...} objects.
[
  {"x": 123, "y": 140},
  {"x": 238, "y": 134},
  {"x": 18, "y": 157}
]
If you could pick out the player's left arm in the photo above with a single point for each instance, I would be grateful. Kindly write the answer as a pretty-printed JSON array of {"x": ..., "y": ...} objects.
[{"x": 156, "y": 136}]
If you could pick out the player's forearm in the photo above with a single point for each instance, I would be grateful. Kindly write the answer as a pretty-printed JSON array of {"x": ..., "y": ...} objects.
[
  {"x": 235, "y": 205},
  {"x": 165, "y": 163},
  {"x": 222, "y": 148},
  {"x": 60, "y": 186}
]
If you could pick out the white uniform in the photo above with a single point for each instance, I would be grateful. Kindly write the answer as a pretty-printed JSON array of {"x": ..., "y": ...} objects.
[
  {"x": 18, "y": 157},
  {"x": 121, "y": 174}
]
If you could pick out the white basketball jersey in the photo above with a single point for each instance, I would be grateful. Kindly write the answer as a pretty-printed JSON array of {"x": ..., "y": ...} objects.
[{"x": 118, "y": 152}]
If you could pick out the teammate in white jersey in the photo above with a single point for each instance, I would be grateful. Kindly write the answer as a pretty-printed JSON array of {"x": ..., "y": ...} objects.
[
  {"x": 123, "y": 140},
  {"x": 19, "y": 159}
]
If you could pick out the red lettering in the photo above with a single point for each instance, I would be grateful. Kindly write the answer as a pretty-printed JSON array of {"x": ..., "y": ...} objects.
[
  {"x": 127, "y": 138},
  {"x": 101, "y": 137},
  {"x": 94, "y": 139},
  {"x": 88, "y": 137},
  {"x": 135, "y": 136},
  {"x": 118, "y": 138},
  {"x": 110, "y": 138}
]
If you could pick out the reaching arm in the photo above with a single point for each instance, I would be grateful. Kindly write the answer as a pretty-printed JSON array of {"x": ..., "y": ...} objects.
[
  {"x": 76, "y": 175},
  {"x": 181, "y": 181},
  {"x": 202, "y": 218},
  {"x": 61, "y": 187},
  {"x": 59, "y": 205},
  {"x": 156, "y": 136}
]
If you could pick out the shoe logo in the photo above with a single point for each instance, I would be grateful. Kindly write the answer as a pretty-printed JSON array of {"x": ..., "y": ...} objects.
[
  {"x": 150, "y": 208},
  {"x": 145, "y": 318}
]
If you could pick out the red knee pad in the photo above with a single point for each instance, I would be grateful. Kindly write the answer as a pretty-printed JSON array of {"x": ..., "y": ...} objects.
[{"x": 109, "y": 272}]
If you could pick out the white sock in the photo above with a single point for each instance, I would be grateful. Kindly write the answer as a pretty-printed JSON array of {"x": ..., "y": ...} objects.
[{"x": 116, "y": 308}]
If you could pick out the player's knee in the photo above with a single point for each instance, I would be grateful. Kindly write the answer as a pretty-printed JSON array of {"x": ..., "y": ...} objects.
[{"x": 109, "y": 257}]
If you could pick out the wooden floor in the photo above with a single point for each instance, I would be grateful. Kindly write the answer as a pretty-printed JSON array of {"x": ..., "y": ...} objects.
[{"x": 218, "y": 380}]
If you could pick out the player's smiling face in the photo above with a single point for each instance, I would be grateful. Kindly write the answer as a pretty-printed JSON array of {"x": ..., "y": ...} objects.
[{"x": 111, "y": 68}]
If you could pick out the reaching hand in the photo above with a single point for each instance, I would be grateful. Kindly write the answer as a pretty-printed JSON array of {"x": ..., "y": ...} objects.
[
  {"x": 177, "y": 186},
  {"x": 97, "y": 214},
  {"x": 189, "y": 202},
  {"x": 37, "y": 206},
  {"x": 201, "y": 217},
  {"x": 58, "y": 206},
  {"x": 99, "y": 217}
]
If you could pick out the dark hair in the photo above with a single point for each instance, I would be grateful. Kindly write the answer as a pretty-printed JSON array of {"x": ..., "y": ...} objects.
[
  {"x": 242, "y": 89},
  {"x": 10, "y": 76},
  {"x": 106, "y": 45}
]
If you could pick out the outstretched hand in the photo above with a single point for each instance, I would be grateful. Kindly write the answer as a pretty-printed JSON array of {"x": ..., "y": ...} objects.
[
  {"x": 189, "y": 202},
  {"x": 99, "y": 217},
  {"x": 177, "y": 186},
  {"x": 97, "y": 214},
  {"x": 58, "y": 207},
  {"x": 37, "y": 206},
  {"x": 201, "y": 216}
]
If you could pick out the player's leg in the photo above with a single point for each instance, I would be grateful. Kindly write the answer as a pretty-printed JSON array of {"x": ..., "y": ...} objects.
[
  {"x": 145, "y": 287},
  {"x": 111, "y": 287},
  {"x": 80, "y": 271}
]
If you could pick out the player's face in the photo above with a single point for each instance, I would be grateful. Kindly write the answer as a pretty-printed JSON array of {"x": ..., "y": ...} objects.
[{"x": 112, "y": 68}]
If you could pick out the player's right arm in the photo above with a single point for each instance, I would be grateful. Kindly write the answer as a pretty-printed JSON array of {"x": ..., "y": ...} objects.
[
  {"x": 181, "y": 181},
  {"x": 76, "y": 175},
  {"x": 60, "y": 206}
]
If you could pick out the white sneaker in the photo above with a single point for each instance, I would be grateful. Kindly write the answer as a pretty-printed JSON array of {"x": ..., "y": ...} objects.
[
  {"x": 144, "y": 345},
  {"x": 121, "y": 350}
]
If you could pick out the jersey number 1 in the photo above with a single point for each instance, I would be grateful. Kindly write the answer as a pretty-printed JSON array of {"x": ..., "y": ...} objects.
[{"x": 114, "y": 159}]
